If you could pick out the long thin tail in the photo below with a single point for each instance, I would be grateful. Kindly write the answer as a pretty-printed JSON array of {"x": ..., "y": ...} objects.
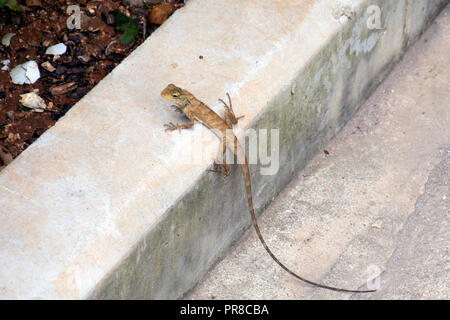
[{"x": 248, "y": 188}]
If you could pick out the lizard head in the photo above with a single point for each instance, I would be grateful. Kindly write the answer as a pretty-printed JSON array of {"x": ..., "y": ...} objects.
[{"x": 175, "y": 94}]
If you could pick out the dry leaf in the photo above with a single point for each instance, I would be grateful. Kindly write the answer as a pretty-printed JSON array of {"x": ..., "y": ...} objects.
[
  {"x": 33, "y": 3},
  {"x": 5, "y": 156},
  {"x": 160, "y": 13},
  {"x": 64, "y": 88},
  {"x": 48, "y": 66},
  {"x": 33, "y": 101}
]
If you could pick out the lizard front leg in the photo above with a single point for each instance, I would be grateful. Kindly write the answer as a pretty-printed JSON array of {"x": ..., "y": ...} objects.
[{"x": 172, "y": 126}]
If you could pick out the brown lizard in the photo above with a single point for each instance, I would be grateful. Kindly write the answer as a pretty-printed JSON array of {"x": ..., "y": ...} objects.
[{"x": 195, "y": 110}]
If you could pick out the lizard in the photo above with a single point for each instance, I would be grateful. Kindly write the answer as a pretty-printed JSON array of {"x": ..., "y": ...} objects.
[{"x": 195, "y": 110}]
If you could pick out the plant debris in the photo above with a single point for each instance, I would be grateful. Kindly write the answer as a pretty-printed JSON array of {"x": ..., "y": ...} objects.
[
  {"x": 6, "y": 39},
  {"x": 11, "y": 4},
  {"x": 48, "y": 66},
  {"x": 160, "y": 13},
  {"x": 63, "y": 88},
  {"x": 33, "y": 101},
  {"x": 5, "y": 156},
  {"x": 127, "y": 25}
]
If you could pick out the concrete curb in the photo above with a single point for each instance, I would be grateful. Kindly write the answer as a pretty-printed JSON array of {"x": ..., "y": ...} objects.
[{"x": 107, "y": 205}]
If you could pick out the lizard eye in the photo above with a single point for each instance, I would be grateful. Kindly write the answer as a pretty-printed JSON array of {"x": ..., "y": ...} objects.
[{"x": 175, "y": 94}]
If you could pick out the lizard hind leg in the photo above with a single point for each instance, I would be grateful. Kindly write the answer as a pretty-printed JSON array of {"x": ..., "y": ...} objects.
[{"x": 222, "y": 167}]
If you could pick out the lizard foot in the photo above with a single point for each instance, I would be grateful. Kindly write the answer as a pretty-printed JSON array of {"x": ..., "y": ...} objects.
[
  {"x": 220, "y": 169},
  {"x": 217, "y": 168},
  {"x": 171, "y": 126}
]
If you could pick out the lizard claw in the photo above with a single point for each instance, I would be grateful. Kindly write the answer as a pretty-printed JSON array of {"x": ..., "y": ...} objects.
[
  {"x": 218, "y": 168},
  {"x": 171, "y": 126},
  {"x": 226, "y": 106}
]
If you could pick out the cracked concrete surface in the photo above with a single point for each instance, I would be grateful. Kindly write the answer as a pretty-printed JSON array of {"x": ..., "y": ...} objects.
[{"x": 376, "y": 202}]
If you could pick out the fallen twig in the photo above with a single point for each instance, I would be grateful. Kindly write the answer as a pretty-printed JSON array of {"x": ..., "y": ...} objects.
[{"x": 5, "y": 156}]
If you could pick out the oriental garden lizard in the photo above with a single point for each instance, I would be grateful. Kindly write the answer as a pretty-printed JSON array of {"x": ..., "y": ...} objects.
[{"x": 195, "y": 110}]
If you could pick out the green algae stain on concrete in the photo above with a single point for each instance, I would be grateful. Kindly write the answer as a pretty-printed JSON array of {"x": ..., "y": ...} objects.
[{"x": 174, "y": 254}]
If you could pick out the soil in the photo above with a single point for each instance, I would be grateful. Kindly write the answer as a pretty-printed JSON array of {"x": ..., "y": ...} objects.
[{"x": 92, "y": 52}]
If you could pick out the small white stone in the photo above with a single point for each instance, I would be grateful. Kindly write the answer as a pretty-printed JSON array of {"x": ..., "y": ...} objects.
[
  {"x": 343, "y": 19},
  {"x": 5, "y": 64},
  {"x": 6, "y": 39},
  {"x": 57, "y": 49},
  {"x": 33, "y": 101},
  {"x": 293, "y": 87},
  {"x": 27, "y": 72}
]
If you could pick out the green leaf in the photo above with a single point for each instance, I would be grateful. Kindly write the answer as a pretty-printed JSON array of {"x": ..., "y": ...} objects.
[
  {"x": 12, "y": 4},
  {"x": 129, "y": 27}
]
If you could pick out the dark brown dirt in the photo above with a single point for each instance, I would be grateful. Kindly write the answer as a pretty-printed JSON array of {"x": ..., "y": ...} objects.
[{"x": 92, "y": 52}]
